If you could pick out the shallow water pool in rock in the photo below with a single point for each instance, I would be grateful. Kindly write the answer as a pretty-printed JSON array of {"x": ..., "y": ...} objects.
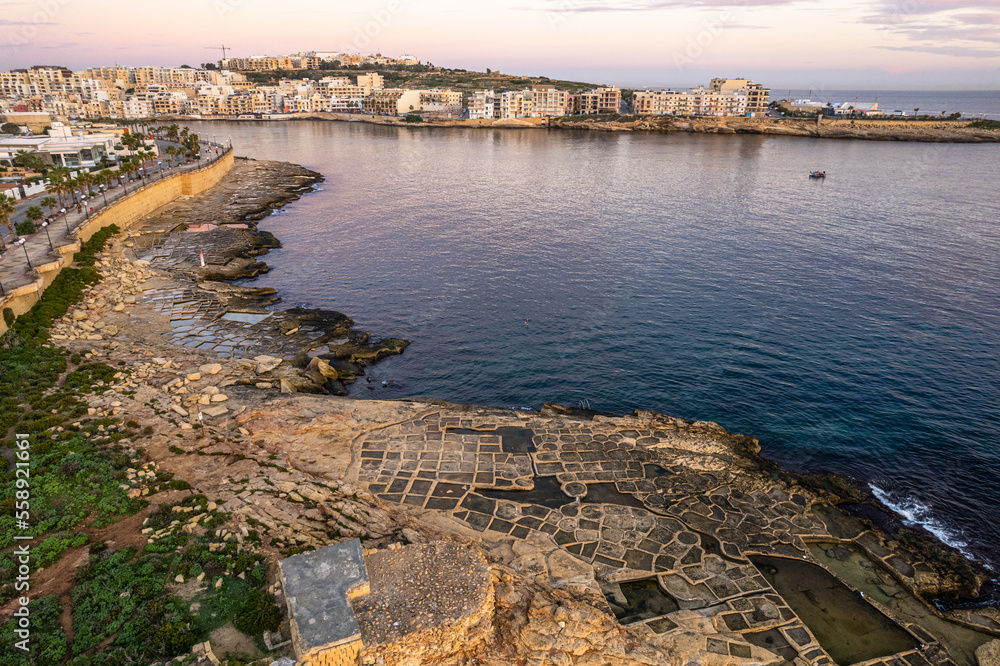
[
  {"x": 645, "y": 600},
  {"x": 547, "y": 492},
  {"x": 876, "y": 582},
  {"x": 848, "y": 627},
  {"x": 247, "y": 317}
]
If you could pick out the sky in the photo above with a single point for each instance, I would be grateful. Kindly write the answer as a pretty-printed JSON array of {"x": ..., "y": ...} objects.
[{"x": 801, "y": 44}]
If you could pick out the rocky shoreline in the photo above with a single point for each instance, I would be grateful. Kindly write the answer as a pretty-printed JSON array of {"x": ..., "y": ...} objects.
[
  {"x": 200, "y": 245},
  {"x": 610, "y": 539},
  {"x": 866, "y": 130}
]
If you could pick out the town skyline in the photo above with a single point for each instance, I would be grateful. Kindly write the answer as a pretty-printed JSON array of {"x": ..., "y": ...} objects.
[{"x": 888, "y": 45}]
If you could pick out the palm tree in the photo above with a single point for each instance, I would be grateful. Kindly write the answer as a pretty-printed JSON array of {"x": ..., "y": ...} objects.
[
  {"x": 56, "y": 178},
  {"x": 33, "y": 214},
  {"x": 71, "y": 184},
  {"x": 170, "y": 151},
  {"x": 83, "y": 182},
  {"x": 6, "y": 210},
  {"x": 50, "y": 203}
]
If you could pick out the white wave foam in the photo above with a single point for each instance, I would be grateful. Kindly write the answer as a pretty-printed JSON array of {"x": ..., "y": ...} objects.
[{"x": 916, "y": 513}]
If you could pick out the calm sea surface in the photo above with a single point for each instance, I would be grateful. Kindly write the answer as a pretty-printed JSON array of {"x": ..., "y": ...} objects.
[
  {"x": 851, "y": 324},
  {"x": 970, "y": 103}
]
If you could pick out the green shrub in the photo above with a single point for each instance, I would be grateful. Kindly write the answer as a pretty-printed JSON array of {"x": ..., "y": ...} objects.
[
  {"x": 25, "y": 228},
  {"x": 48, "y": 643},
  {"x": 258, "y": 614}
]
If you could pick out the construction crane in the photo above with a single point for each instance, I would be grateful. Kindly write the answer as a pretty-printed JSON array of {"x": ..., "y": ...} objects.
[{"x": 223, "y": 48}]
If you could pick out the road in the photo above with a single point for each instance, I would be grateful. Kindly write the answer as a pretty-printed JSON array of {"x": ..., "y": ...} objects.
[{"x": 18, "y": 260}]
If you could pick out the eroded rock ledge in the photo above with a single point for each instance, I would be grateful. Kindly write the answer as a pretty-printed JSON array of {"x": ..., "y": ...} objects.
[
  {"x": 155, "y": 276},
  {"x": 635, "y": 539}
]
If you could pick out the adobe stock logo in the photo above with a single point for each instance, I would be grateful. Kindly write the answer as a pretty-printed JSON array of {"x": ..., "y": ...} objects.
[
  {"x": 26, "y": 30},
  {"x": 379, "y": 21},
  {"x": 223, "y": 7},
  {"x": 696, "y": 45}
]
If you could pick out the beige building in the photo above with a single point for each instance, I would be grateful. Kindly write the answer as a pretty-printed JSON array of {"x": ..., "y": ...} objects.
[
  {"x": 440, "y": 103},
  {"x": 725, "y": 97},
  {"x": 757, "y": 96},
  {"x": 603, "y": 100},
  {"x": 392, "y": 102},
  {"x": 371, "y": 81},
  {"x": 515, "y": 104},
  {"x": 547, "y": 101}
]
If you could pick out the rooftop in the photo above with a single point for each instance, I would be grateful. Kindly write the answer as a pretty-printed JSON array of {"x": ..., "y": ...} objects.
[{"x": 317, "y": 587}]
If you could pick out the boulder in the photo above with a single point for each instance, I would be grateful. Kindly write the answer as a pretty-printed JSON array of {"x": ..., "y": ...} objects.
[
  {"x": 324, "y": 368},
  {"x": 299, "y": 384},
  {"x": 266, "y": 363},
  {"x": 210, "y": 369},
  {"x": 989, "y": 654},
  {"x": 215, "y": 411}
]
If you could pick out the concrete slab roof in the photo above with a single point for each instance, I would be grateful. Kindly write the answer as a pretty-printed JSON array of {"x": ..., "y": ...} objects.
[{"x": 317, "y": 585}]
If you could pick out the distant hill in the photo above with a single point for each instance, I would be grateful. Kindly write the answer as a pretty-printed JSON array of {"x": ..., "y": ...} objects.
[{"x": 422, "y": 76}]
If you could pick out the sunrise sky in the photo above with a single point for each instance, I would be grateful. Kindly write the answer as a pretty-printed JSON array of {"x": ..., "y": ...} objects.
[{"x": 811, "y": 44}]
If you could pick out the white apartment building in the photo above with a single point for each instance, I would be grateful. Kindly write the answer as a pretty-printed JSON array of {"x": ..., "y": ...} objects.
[{"x": 481, "y": 105}]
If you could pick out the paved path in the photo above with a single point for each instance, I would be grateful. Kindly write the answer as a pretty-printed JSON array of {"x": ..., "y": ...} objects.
[{"x": 37, "y": 250}]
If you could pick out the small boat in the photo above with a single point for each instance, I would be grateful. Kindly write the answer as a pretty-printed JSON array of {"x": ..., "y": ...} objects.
[{"x": 818, "y": 174}]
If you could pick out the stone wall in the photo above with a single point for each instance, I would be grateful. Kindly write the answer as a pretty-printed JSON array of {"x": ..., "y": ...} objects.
[
  {"x": 124, "y": 213},
  {"x": 342, "y": 655}
]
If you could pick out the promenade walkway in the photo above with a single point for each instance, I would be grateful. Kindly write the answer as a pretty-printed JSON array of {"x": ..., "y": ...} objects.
[{"x": 18, "y": 261}]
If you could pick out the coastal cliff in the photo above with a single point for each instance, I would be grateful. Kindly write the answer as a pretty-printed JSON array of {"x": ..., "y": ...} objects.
[{"x": 606, "y": 539}]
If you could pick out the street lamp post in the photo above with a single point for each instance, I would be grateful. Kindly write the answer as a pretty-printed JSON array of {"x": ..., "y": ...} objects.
[
  {"x": 104, "y": 193},
  {"x": 20, "y": 241},
  {"x": 65, "y": 219},
  {"x": 86, "y": 209},
  {"x": 45, "y": 225}
]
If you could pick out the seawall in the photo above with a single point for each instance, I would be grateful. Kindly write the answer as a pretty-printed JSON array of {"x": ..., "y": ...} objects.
[{"x": 123, "y": 213}]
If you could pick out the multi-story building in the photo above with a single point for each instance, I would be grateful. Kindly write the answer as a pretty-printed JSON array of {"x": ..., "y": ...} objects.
[
  {"x": 440, "y": 103},
  {"x": 547, "y": 101},
  {"x": 603, "y": 100},
  {"x": 757, "y": 96},
  {"x": 371, "y": 81},
  {"x": 481, "y": 105},
  {"x": 725, "y": 97},
  {"x": 387, "y": 101},
  {"x": 510, "y": 103}
]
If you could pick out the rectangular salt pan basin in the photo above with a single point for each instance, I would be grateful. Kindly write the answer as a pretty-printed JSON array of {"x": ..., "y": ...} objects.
[{"x": 247, "y": 317}]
